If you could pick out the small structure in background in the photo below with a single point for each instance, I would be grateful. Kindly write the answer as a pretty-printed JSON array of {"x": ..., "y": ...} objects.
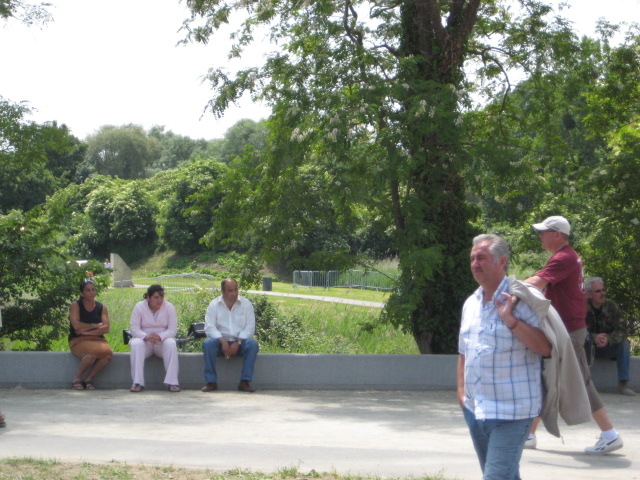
[{"x": 120, "y": 273}]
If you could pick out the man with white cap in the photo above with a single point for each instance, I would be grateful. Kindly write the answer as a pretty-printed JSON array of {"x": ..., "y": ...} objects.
[{"x": 562, "y": 281}]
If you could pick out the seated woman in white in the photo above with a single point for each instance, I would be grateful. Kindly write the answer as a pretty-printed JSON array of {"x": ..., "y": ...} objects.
[{"x": 154, "y": 325}]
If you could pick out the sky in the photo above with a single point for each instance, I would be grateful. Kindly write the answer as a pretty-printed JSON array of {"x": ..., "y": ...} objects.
[{"x": 116, "y": 62}]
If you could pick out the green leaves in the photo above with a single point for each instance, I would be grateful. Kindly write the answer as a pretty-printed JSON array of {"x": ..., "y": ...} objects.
[{"x": 36, "y": 284}]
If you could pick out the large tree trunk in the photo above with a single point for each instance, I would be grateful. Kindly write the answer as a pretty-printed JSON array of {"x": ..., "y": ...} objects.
[{"x": 434, "y": 214}]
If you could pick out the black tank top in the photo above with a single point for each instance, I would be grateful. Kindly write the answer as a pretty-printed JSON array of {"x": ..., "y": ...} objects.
[{"x": 95, "y": 316}]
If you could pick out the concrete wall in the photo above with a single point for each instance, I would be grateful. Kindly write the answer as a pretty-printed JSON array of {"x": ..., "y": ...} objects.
[{"x": 273, "y": 371}]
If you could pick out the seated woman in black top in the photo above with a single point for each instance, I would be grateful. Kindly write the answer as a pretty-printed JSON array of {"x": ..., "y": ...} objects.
[{"x": 89, "y": 323}]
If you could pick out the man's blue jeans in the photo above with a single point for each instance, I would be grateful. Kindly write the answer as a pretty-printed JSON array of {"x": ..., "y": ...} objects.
[
  {"x": 498, "y": 444},
  {"x": 621, "y": 353},
  {"x": 212, "y": 349}
]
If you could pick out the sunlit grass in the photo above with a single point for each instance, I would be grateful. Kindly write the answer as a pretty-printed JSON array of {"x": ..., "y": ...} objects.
[
  {"x": 353, "y": 293},
  {"x": 333, "y": 327},
  {"x": 33, "y": 469},
  {"x": 349, "y": 329}
]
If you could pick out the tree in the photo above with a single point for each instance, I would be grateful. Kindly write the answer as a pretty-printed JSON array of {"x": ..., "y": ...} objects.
[
  {"x": 124, "y": 151},
  {"x": 242, "y": 135},
  {"x": 612, "y": 219},
  {"x": 175, "y": 149},
  {"x": 34, "y": 159},
  {"x": 120, "y": 217},
  {"x": 570, "y": 145},
  {"x": 36, "y": 284},
  {"x": 372, "y": 93},
  {"x": 180, "y": 225}
]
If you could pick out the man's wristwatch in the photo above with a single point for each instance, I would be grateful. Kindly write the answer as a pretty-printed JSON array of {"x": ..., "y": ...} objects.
[{"x": 239, "y": 341}]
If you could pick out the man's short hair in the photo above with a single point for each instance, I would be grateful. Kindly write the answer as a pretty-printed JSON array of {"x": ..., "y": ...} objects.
[
  {"x": 588, "y": 283},
  {"x": 498, "y": 246},
  {"x": 224, "y": 282}
]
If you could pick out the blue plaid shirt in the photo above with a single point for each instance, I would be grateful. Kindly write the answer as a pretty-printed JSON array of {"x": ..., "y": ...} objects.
[{"x": 502, "y": 377}]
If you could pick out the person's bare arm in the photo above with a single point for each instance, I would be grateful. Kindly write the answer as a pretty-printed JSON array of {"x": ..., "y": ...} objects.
[
  {"x": 460, "y": 378},
  {"x": 537, "y": 282},
  {"x": 106, "y": 325}
]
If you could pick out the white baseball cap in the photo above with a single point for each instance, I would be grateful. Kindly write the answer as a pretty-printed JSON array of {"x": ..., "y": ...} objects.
[{"x": 557, "y": 223}]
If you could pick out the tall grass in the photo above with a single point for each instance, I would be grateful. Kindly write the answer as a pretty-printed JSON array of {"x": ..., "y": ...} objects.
[
  {"x": 339, "y": 328},
  {"x": 326, "y": 327}
]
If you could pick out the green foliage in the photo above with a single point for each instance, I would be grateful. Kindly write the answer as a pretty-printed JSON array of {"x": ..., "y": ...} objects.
[
  {"x": 124, "y": 151},
  {"x": 243, "y": 135},
  {"x": 120, "y": 217},
  {"x": 566, "y": 142},
  {"x": 175, "y": 149},
  {"x": 367, "y": 113},
  {"x": 180, "y": 224},
  {"x": 36, "y": 284},
  {"x": 34, "y": 159},
  {"x": 612, "y": 221},
  {"x": 277, "y": 329}
]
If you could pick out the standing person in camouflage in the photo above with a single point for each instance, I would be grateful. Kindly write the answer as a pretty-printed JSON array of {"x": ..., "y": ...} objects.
[{"x": 607, "y": 331}]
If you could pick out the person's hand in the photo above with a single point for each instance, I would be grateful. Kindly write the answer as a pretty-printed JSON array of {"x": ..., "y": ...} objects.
[
  {"x": 152, "y": 338},
  {"x": 601, "y": 340},
  {"x": 233, "y": 349},
  {"x": 505, "y": 310},
  {"x": 225, "y": 348}
]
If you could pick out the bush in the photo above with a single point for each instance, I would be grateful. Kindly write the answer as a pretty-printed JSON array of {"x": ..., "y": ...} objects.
[{"x": 276, "y": 328}]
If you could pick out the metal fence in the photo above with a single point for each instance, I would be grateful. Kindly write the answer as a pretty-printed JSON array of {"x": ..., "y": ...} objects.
[
  {"x": 362, "y": 279},
  {"x": 180, "y": 282}
]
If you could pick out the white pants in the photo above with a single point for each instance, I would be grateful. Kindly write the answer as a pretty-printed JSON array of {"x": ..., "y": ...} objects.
[{"x": 167, "y": 350}]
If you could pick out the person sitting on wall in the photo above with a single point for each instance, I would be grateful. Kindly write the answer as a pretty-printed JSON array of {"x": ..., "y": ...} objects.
[
  {"x": 89, "y": 322},
  {"x": 230, "y": 322},
  {"x": 154, "y": 325},
  {"x": 607, "y": 331}
]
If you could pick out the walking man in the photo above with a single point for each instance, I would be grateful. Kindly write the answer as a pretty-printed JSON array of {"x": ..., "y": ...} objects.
[
  {"x": 562, "y": 281},
  {"x": 499, "y": 364}
]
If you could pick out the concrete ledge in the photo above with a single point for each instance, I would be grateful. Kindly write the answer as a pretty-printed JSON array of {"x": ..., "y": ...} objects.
[{"x": 273, "y": 372}]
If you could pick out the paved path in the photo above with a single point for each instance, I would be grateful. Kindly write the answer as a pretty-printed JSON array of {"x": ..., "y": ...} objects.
[
  {"x": 348, "y": 301},
  {"x": 380, "y": 434}
]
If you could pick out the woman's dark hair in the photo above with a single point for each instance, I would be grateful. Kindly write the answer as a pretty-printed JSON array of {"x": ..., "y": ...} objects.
[
  {"x": 153, "y": 289},
  {"x": 84, "y": 283}
]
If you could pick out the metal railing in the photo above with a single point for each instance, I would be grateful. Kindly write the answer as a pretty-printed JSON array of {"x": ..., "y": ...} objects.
[
  {"x": 180, "y": 282},
  {"x": 362, "y": 279}
]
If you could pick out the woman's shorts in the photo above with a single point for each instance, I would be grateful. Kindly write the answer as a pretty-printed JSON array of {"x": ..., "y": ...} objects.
[{"x": 90, "y": 345}]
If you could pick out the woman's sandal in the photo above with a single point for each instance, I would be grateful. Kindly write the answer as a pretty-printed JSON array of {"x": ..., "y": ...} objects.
[
  {"x": 2, "y": 422},
  {"x": 77, "y": 385},
  {"x": 173, "y": 388},
  {"x": 136, "y": 388},
  {"x": 88, "y": 385}
]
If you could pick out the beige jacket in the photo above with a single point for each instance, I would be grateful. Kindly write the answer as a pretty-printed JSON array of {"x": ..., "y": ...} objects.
[{"x": 562, "y": 381}]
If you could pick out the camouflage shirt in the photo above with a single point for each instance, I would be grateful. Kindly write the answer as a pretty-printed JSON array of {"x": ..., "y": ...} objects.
[{"x": 607, "y": 319}]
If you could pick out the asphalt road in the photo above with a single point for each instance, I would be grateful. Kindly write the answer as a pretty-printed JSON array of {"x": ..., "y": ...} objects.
[{"x": 381, "y": 434}]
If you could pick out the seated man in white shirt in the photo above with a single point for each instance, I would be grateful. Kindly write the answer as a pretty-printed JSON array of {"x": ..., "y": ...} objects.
[{"x": 230, "y": 323}]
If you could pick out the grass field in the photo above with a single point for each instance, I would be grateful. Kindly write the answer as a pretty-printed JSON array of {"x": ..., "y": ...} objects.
[
  {"x": 326, "y": 327},
  {"x": 353, "y": 293}
]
